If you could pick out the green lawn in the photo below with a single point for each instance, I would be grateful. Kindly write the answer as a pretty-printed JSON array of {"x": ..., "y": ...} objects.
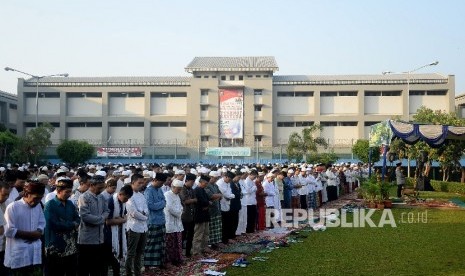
[{"x": 433, "y": 248}]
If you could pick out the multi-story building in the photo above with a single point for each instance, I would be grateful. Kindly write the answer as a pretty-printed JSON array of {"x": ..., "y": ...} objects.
[
  {"x": 8, "y": 110},
  {"x": 226, "y": 102}
]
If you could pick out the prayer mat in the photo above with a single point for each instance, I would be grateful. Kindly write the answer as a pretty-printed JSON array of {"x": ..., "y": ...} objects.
[{"x": 242, "y": 248}]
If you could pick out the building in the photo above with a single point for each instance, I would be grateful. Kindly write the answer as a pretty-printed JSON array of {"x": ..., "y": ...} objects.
[
  {"x": 8, "y": 110},
  {"x": 225, "y": 102}
]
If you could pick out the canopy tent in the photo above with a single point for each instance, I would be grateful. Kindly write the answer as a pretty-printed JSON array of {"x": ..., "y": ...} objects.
[{"x": 433, "y": 135}]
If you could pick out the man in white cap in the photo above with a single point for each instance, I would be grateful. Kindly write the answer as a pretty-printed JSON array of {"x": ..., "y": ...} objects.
[{"x": 173, "y": 211}]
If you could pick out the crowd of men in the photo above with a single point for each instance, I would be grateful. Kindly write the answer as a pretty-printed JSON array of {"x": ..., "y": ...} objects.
[{"x": 62, "y": 220}]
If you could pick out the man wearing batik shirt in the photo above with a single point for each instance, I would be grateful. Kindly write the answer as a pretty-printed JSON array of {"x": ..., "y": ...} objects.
[
  {"x": 93, "y": 211},
  {"x": 154, "y": 255},
  {"x": 62, "y": 221},
  {"x": 25, "y": 223}
]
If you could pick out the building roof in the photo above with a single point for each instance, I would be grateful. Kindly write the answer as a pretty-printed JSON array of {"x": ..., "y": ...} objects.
[
  {"x": 265, "y": 63},
  {"x": 110, "y": 81},
  {"x": 359, "y": 79},
  {"x": 7, "y": 95}
]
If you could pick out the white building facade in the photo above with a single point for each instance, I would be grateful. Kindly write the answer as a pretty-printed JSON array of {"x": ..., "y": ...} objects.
[{"x": 225, "y": 102}]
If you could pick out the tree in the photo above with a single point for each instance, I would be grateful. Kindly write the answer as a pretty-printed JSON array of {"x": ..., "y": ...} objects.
[
  {"x": 75, "y": 152},
  {"x": 34, "y": 144},
  {"x": 301, "y": 145},
  {"x": 324, "y": 158},
  {"x": 361, "y": 149},
  {"x": 8, "y": 141},
  {"x": 450, "y": 153}
]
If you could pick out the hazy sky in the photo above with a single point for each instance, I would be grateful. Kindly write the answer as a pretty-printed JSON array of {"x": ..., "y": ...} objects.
[{"x": 159, "y": 38}]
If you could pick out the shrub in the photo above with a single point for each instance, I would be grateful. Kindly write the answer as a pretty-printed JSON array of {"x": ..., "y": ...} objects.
[{"x": 450, "y": 187}]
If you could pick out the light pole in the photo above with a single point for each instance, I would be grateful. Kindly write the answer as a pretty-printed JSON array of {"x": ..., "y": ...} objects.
[
  {"x": 37, "y": 86},
  {"x": 408, "y": 100},
  {"x": 408, "y": 73}
]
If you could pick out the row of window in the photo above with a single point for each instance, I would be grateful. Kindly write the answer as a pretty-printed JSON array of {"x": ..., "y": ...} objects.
[
  {"x": 307, "y": 123},
  {"x": 257, "y": 92},
  {"x": 355, "y": 93},
  {"x": 232, "y": 77},
  {"x": 116, "y": 124}
]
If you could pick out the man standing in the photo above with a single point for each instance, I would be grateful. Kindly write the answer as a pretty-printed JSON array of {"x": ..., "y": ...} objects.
[
  {"x": 93, "y": 211},
  {"x": 188, "y": 201},
  {"x": 62, "y": 221},
  {"x": 154, "y": 255},
  {"x": 250, "y": 200},
  {"x": 4, "y": 193},
  {"x": 138, "y": 212},
  {"x": 25, "y": 223},
  {"x": 400, "y": 179},
  {"x": 201, "y": 217}
]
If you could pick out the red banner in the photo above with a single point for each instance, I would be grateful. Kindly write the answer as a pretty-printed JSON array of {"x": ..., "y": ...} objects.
[{"x": 119, "y": 152}]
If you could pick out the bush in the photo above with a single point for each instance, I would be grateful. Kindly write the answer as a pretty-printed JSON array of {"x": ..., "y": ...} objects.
[{"x": 449, "y": 187}]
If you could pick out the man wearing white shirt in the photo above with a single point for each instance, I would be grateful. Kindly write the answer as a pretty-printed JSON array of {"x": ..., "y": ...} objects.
[
  {"x": 303, "y": 191},
  {"x": 250, "y": 199},
  {"x": 224, "y": 185},
  {"x": 332, "y": 183},
  {"x": 137, "y": 211}
]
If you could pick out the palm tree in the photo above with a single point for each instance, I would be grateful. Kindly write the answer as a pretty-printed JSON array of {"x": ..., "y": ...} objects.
[{"x": 300, "y": 145}]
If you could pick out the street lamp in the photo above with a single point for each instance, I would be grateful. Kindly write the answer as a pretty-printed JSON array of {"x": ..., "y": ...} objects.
[
  {"x": 408, "y": 103},
  {"x": 408, "y": 81},
  {"x": 37, "y": 86}
]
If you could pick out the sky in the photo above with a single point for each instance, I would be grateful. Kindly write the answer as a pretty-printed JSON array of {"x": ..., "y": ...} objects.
[{"x": 159, "y": 38}]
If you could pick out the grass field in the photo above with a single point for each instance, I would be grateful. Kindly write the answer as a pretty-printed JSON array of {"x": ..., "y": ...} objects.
[{"x": 414, "y": 247}]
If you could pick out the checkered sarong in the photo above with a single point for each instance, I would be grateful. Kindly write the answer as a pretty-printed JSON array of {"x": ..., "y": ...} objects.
[
  {"x": 154, "y": 254},
  {"x": 312, "y": 201},
  {"x": 215, "y": 230}
]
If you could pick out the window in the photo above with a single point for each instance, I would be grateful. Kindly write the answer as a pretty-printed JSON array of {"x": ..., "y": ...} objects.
[
  {"x": 206, "y": 77},
  {"x": 286, "y": 124},
  {"x": 135, "y": 124},
  {"x": 371, "y": 123},
  {"x": 168, "y": 124},
  {"x": 204, "y": 92},
  {"x": 178, "y": 95},
  {"x": 286, "y": 94},
  {"x": 373, "y": 93},
  {"x": 348, "y": 93},
  {"x": 170, "y": 94},
  {"x": 223, "y": 77},
  {"x": 204, "y": 107},
  {"x": 204, "y": 138},
  {"x": 258, "y": 108},
  {"x": 89, "y": 124},
  {"x": 258, "y": 138},
  {"x": 347, "y": 124},
  {"x": 13, "y": 106},
  {"x": 213, "y": 77},
  {"x": 241, "y": 77},
  {"x": 328, "y": 124},
  {"x": 159, "y": 95},
  {"x": 117, "y": 95},
  {"x": 303, "y": 124},
  {"x": 232, "y": 78},
  {"x": 249, "y": 76},
  {"x": 417, "y": 93},
  {"x": 258, "y": 76},
  {"x": 76, "y": 124},
  {"x": 266, "y": 76},
  {"x": 117, "y": 124},
  {"x": 198, "y": 77},
  {"x": 159, "y": 124},
  {"x": 304, "y": 94},
  {"x": 136, "y": 95},
  {"x": 436, "y": 93},
  {"x": 391, "y": 93},
  {"x": 257, "y": 92},
  {"x": 178, "y": 124},
  {"x": 328, "y": 94}
]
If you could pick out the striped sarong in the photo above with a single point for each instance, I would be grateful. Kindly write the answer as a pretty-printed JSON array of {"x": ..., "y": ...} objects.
[
  {"x": 154, "y": 253},
  {"x": 312, "y": 201},
  {"x": 215, "y": 229}
]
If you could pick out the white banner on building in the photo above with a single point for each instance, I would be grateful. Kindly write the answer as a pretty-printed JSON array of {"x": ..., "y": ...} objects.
[
  {"x": 231, "y": 121},
  {"x": 228, "y": 151},
  {"x": 119, "y": 152}
]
